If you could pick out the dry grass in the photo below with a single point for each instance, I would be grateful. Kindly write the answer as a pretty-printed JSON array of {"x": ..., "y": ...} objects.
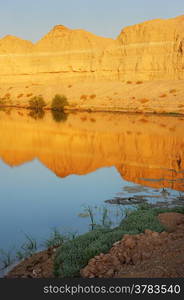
[
  {"x": 20, "y": 95},
  {"x": 172, "y": 91},
  {"x": 163, "y": 95},
  {"x": 143, "y": 100},
  {"x": 92, "y": 96},
  {"x": 83, "y": 97},
  {"x": 143, "y": 120},
  {"x": 84, "y": 118},
  {"x": 7, "y": 95}
]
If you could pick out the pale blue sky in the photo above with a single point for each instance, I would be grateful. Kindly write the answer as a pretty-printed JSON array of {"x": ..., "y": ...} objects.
[{"x": 32, "y": 19}]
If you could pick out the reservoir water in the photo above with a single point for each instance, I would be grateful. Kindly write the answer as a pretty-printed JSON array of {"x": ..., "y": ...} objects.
[{"x": 53, "y": 166}]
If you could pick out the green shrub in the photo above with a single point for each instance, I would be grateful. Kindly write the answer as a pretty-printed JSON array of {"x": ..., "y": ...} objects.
[
  {"x": 145, "y": 217},
  {"x": 28, "y": 248},
  {"x": 6, "y": 259},
  {"x": 59, "y": 102},
  {"x": 142, "y": 219},
  {"x": 55, "y": 239},
  {"x": 2, "y": 101},
  {"x": 72, "y": 256},
  {"x": 37, "y": 103}
]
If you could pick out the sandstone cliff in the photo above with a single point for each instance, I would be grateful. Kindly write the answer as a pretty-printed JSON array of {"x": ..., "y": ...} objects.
[
  {"x": 153, "y": 50},
  {"x": 147, "y": 51}
]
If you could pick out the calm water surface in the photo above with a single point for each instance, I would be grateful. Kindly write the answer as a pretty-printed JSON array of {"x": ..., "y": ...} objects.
[{"x": 52, "y": 166}]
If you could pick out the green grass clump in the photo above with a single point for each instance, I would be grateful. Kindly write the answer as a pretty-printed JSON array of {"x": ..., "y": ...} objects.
[
  {"x": 2, "y": 101},
  {"x": 145, "y": 217},
  {"x": 6, "y": 259},
  {"x": 72, "y": 256},
  {"x": 59, "y": 102},
  {"x": 37, "y": 103},
  {"x": 56, "y": 239},
  {"x": 28, "y": 248},
  {"x": 75, "y": 254}
]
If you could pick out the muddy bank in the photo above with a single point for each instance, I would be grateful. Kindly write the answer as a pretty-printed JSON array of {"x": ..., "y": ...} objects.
[{"x": 149, "y": 254}]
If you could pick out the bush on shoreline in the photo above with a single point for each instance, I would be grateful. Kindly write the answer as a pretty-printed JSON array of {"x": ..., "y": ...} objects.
[
  {"x": 59, "y": 102},
  {"x": 37, "y": 103}
]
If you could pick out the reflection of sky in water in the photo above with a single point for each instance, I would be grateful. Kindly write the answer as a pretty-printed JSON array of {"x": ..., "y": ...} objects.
[{"x": 33, "y": 200}]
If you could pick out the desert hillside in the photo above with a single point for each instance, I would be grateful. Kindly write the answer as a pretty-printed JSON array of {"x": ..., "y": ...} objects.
[{"x": 141, "y": 70}]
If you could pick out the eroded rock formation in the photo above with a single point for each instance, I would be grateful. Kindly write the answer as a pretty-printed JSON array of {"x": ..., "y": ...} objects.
[{"x": 147, "y": 51}]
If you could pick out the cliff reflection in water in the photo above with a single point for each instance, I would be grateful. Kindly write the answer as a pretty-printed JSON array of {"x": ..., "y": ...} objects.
[{"x": 145, "y": 149}]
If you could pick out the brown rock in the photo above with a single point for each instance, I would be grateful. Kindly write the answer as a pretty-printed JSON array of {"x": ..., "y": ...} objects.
[
  {"x": 130, "y": 242},
  {"x": 171, "y": 220}
]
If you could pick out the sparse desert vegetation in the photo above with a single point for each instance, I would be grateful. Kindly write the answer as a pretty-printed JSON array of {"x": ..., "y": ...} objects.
[
  {"x": 37, "y": 103},
  {"x": 92, "y": 96},
  {"x": 2, "y": 102},
  {"x": 83, "y": 97},
  {"x": 172, "y": 91},
  {"x": 59, "y": 102},
  {"x": 143, "y": 100},
  {"x": 29, "y": 95},
  {"x": 143, "y": 120},
  {"x": 83, "y": 118},
  {"x": 7, "y": 96},
  {"x": 163, "y": 95},
  {"x": 20, "y": 96}
]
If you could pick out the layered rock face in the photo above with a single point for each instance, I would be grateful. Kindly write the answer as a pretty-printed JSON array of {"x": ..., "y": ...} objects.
[
  {"x": 149, "y": 152},
  {"x": 62, "y": 51},
  {"x": 147, "y": 51},
  {"x": 153, "y": 50}
]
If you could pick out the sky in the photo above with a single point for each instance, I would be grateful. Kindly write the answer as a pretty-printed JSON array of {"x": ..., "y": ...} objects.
[{"x": 32, "y": 19}]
